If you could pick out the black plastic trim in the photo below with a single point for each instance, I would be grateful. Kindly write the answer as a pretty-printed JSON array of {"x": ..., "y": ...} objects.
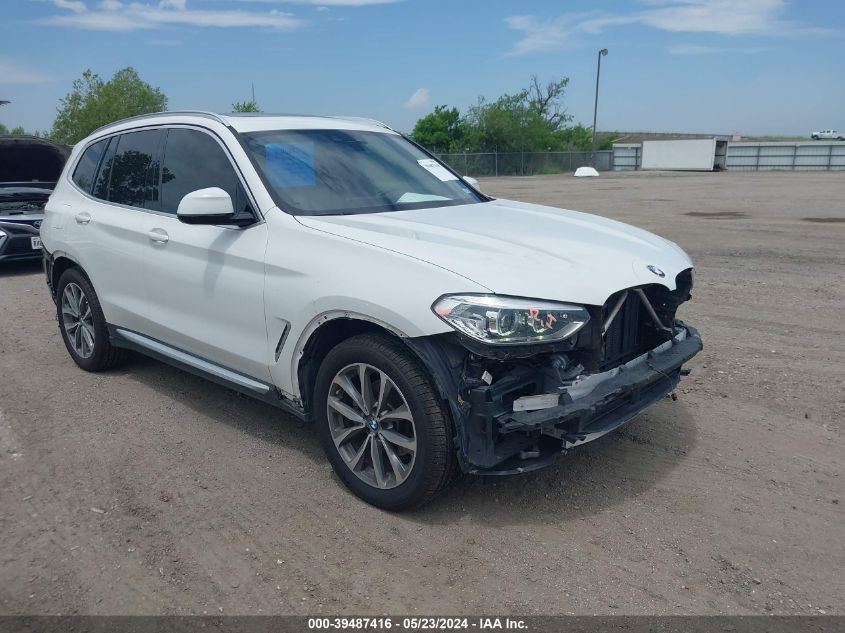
[{"x": 273, "y": 396}]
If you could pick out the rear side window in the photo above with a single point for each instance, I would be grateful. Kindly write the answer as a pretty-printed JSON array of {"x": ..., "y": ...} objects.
[
  {"x": 135, "y": 169},
  {"x": 86, "y": 168},
  {"x": 194, "y": 160},
  {"x": 101, "y": 185}
]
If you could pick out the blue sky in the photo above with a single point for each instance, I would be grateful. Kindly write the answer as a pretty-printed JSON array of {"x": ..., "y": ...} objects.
[{"x": 721, "y": 66}]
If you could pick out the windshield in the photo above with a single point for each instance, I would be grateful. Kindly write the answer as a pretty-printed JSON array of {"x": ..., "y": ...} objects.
[{"x": 340, "y": 172}]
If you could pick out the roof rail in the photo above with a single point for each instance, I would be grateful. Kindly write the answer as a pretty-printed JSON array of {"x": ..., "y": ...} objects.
[
  {"x": 361, "y": 119},
  {"x": 219, "y": 118},
  {"x": 364, "y": 119},
  {"x": 202, "y": 113}
]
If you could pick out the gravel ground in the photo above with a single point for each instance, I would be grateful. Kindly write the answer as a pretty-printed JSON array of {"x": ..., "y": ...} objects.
[{"x": 148, "y": 491}]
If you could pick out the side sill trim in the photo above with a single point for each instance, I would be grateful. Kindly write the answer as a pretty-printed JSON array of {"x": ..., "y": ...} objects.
[{"x": 197, "y": 363}]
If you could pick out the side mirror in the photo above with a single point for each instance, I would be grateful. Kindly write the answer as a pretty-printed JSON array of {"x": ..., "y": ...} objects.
[
  {"x": 472, "y": 182},
  {"x": 206, "y": 206}
]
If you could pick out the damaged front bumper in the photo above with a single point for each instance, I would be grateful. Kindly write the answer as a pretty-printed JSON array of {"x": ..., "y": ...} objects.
[
  {"x": 505, "y": 441},
  {"x": 496, "y": 437}
]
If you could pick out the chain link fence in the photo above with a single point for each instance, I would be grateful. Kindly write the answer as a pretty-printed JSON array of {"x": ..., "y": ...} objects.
[{"x": 526, "y": 163}]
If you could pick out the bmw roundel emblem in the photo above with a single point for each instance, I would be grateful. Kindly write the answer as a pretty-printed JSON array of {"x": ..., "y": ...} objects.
[
  {"x": 37, "y": 224},
  {"x": 656, "y": 270}
]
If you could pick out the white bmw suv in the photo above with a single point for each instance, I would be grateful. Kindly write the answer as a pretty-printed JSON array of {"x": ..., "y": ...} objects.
[{"x": 333, "y": 268}]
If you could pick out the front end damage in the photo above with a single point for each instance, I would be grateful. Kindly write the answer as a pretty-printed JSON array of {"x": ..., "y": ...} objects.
[{"x": 517, "y": 408}]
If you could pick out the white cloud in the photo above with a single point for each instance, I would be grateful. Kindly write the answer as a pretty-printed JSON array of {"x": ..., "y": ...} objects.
[
  {"x": 420, "y": 99},
  {"x": 540, "y": 34},
  {"x": 716, "y": 16},
  {"x": 114, "y": 15},
  {"x": 723, "y": 17},
  {"x": 77, "y": 6},
  {"x": 11, "y": 72}
]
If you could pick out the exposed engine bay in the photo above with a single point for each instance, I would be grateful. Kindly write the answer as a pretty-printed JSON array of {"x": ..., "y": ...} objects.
[{"x": 517, "y": 408}]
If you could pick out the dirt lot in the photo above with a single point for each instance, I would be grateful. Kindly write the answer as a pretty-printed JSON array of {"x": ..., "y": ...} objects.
[{"x": 147, "y": 490}]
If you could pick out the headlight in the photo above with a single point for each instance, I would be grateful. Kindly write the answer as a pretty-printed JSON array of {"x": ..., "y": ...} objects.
[{"x": 509, "y": 320}]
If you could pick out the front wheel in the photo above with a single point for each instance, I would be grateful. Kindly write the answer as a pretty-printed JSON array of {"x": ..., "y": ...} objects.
[{"x": 382, "y": 424}]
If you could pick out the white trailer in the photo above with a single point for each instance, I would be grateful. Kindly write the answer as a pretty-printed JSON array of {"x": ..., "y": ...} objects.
[{"x": 690, "y": 155}]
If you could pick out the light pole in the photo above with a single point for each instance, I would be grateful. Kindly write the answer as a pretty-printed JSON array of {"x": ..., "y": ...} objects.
[{"x": 602, "y": 53}]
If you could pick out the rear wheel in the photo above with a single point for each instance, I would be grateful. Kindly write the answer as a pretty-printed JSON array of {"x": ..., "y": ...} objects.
[
  {"x": 382, "y": 424},
  {"x": 82, "y": 323}
]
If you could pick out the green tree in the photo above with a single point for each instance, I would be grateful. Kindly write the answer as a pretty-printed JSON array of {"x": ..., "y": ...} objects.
[
  {"x": 245, "y": 106},
  {"x": 93, "y": 103},
  {"x": 442, "y": 130},
  {"x": 15, "y": 131},
  {"x": 509, "y": 124},
  {"x": 547, "y": 101},
  {"x": 531, "y": 120},
  {"x": 575, "y": 137},
  {"x": 605, "y": 141}
]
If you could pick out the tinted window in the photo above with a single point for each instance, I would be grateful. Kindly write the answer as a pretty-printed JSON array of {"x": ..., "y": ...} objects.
[
  {"x": 194, "y": 160},
  {"x": 101, "y": 186},
  {"x": 135, "y": 169},
  {"x": 86, "y": 168}
]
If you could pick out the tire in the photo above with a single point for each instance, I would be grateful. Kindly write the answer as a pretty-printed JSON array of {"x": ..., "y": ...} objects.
[
  {"x": 88, "y": 343},
  {"x": 408, "y": 392}
]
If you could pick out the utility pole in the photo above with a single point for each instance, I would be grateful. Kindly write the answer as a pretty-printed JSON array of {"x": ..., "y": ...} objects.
[{"x": 602, "y": 53}]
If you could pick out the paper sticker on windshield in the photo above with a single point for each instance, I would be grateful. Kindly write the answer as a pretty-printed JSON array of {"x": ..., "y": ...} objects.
[{"x": 437, "y": 169}]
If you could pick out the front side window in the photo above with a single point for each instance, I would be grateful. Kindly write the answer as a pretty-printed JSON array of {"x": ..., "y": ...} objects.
[
  {"x": 86, "y": 168},
  {"x": 334, "y": 172},
  {"x": 134, "y": 178},
  {"x": 194, "y": 160}
]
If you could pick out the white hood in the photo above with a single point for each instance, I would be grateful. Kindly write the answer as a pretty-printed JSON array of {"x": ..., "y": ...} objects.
[{"x": 520, "y": 249}]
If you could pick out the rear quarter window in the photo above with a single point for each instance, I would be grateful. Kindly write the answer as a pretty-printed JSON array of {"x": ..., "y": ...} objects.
[{"x": 89, "y": 163}]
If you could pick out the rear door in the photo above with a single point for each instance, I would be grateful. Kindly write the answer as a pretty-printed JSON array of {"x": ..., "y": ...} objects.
[
  {"x": 205, "y": 284},
  {"x": 108, "y": 228}
]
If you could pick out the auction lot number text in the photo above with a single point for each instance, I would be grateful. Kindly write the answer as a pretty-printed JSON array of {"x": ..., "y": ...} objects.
[{"x": 416, "y": 624}]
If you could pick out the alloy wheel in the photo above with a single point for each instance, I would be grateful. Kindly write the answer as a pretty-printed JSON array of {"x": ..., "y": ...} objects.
[
  {"x": 77, "y": 320},
  {"x": 371, "y": 425}
]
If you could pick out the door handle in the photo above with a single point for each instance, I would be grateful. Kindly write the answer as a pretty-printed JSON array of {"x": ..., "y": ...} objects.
[
  {"x": 82, "y": 218},
  {"x": 158, "y": 235}
]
